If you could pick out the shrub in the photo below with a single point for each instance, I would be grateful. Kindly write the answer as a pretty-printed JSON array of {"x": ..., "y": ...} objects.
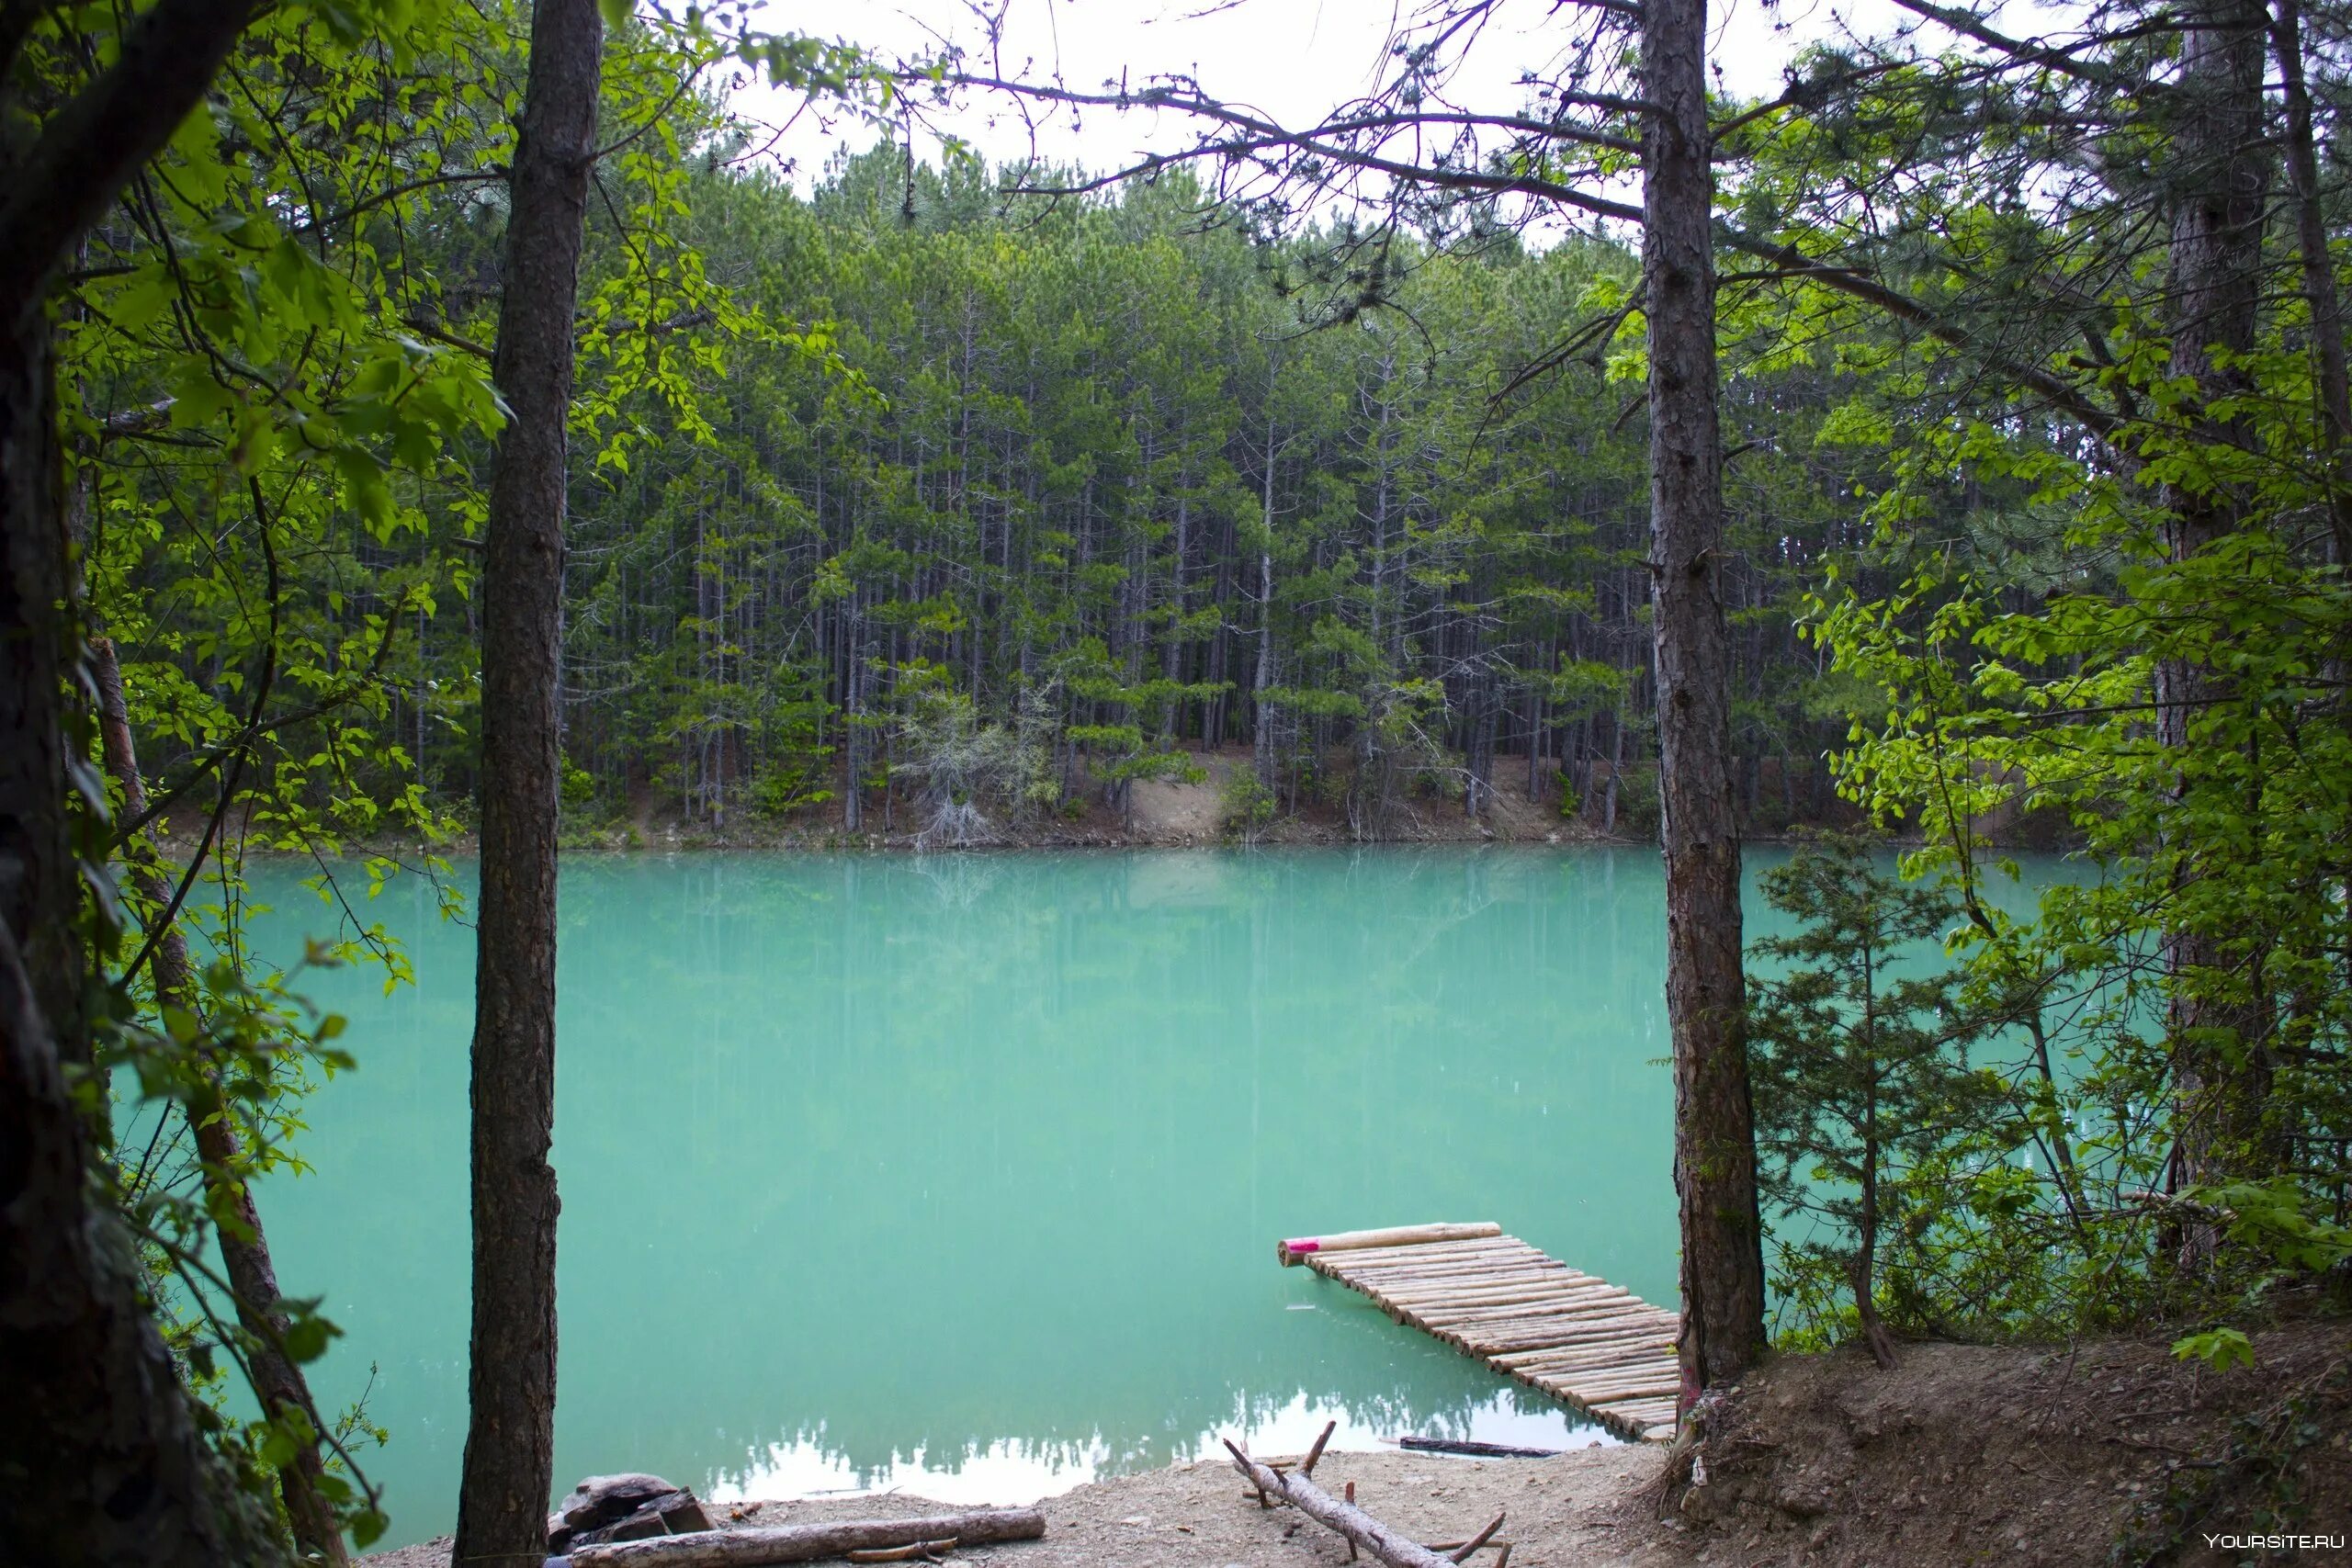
[
  {"x": 1860, "y": 1079},
  {"x": 1244, "y": 804}
]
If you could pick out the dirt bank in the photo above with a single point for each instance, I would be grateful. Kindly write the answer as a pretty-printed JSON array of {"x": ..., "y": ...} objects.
[
  {"x": 2111, "y": 1452},
  {"x": 1960, "y": 1456},
  {"x": 1159, "y": 812}
]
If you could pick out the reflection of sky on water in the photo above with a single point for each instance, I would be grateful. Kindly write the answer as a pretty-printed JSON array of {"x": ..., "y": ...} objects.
[{"x": 963, "y": 1173}]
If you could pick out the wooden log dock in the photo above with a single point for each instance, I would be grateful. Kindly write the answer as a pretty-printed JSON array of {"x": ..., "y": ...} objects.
[{"x": 1599, "y": 1349}]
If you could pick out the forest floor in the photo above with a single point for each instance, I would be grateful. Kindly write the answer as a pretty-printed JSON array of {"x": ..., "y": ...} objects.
[{"x": 1961, "y": 1456}]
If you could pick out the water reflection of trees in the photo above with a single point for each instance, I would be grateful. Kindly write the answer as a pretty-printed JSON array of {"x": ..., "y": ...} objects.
[
  {"x": 885, "y": 1156},
  {"x": 1189, "y": 1429}
]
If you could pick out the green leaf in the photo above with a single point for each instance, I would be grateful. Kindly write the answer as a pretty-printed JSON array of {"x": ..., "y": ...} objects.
[
  {"x": 2219, "y": 1348},
  {"x": 307, "y": 1337}
]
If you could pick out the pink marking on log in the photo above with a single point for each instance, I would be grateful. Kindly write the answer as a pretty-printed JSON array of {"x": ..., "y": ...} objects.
[{"x": 1304, "y": 1244}]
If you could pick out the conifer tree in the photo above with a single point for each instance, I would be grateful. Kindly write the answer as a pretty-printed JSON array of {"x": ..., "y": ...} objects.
[{"x": 1860, "y": 1069}]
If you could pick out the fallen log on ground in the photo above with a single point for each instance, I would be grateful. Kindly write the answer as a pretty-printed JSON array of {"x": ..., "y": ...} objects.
[
  {"x": 1297, "y": 1250},
  {"x": 1473, "y": 1448},
  {"x": 1359, "y": 1529},
  {"x": 928, "y": 1550},
  {"x": 808, "y": 1544}
]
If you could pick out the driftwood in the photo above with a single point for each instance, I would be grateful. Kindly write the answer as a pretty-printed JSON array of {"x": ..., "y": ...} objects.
[
  {"x": 1473, "y": 1448},
  {"x": 1298, "y": 1249},
  {"x": 1358, "y": 1528},
  {"x": 808, "y": 1544}
]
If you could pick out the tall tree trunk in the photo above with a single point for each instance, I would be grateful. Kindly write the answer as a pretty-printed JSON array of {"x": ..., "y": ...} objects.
[
  {"x": 100, "y": 1460},
  {"x": 1262, "y": 710},
  {"x": 278, "y": 1384},
  {"x": 502, "y": 1501},
  {"x": 2320, "y": 293},
  {"x": 41, "y": 897},
  {"x": 1262, "y": 683},
  {"x": 1714, "y": 1143},
  {"x": 2219, "y": 170},
  {"x": 1172, "y": 716},
  {"x": 1616, "y": 770},
  {"x": 1863, "y": 1279},
  {"x": 852, "y": 716}
]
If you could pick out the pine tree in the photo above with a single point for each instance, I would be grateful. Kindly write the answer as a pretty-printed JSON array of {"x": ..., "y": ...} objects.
[{"x": 1859, "y": 1069}]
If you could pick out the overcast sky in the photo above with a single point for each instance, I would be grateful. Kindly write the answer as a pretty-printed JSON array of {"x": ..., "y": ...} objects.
[{"x": 1294, "y": 59}]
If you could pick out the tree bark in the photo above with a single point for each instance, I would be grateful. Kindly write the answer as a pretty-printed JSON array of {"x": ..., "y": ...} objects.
[
  {"x": 278, "y": 1384},
  {"x": 100, "y": 1461},
  {"x": 54, "y": 187},
  {"x": 2219, "y": 172},
  {"x": 1714, "y": 1145},
  {"x": 41, "y": 896},
  {"x": 2320, "y": 293},
  {"x": 1261, "y": 747},
  {"x": 509, "y": 1458}
]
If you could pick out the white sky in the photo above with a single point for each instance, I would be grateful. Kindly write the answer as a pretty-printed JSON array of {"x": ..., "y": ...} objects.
[{"x": 1292, "y": 59}]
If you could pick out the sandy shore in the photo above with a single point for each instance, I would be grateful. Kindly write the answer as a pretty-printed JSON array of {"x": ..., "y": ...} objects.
[{"x": 1569, "y": 1512}]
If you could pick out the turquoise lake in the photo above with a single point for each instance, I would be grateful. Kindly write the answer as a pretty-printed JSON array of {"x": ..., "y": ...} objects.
[{"x": 962, "y": 1174}]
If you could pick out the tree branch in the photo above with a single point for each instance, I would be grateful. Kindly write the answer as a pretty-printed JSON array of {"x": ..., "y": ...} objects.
[
  {"x": 1257, "y": 134},
  {"x": 91, "y": 148}
]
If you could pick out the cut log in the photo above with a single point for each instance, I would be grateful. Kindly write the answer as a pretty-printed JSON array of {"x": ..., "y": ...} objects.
[
  {"x": 1470, "y": 1298},
  {"x": 1620, "y": 1346},
  {"x": 1447, "y": 1263},
  {"x": 1558, "y": 1285},
  {"x": 1474, "y": 1448},
  {"x": 1531, "y": 1336},
  {"x": 1491, "y": 1318},
  {"x": 1580, "y": 1328},
  {"x": 808, "y": 1544},
  {"x": 923, "y": 1549},
  {"x": 1363, "y": 1263},
  {"x": 1358, "y": 1527},
  {"x": 1295, "y": 1250}
]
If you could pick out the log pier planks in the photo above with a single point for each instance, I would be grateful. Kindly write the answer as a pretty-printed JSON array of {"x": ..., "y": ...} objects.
[{"x": 1594, "y": 1346}]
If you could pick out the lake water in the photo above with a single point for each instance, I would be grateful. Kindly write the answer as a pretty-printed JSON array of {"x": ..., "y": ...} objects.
[{"x": 963, "y": 1173}]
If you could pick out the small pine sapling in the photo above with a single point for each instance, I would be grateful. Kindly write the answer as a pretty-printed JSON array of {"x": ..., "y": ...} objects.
[{"x": 1859, "y": 1065}]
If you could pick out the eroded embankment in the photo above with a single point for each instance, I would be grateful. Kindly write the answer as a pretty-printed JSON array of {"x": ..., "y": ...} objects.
[{"x": 2106, "y": 1452}]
